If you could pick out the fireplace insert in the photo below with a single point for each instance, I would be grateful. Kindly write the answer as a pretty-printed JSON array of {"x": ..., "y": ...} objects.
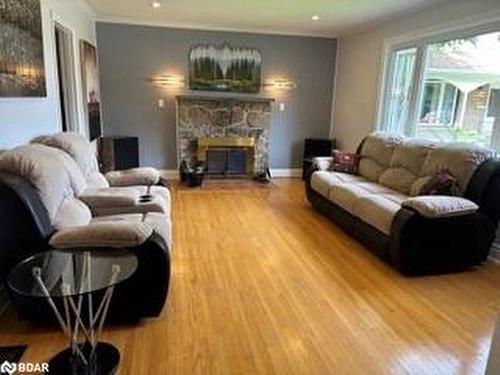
[{"x": 227, "y": 162}]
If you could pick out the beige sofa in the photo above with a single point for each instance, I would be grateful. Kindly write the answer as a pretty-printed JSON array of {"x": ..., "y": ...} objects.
[{"x": 373, "y": 203}]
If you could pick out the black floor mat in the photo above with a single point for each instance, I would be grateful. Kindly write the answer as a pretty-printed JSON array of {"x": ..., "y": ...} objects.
[{"x": 11, "y": 354}]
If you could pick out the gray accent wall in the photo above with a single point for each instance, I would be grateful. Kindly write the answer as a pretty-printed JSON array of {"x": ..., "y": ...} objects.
[{"x": 130, "y": 54}]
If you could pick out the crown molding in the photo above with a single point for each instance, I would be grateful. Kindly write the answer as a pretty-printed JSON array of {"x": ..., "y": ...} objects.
[
  {"x": 87, "y": 7},
  {"x": 185, "y": 26}
]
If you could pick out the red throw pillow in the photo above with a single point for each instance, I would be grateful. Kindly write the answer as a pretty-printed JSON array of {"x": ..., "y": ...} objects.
[
  {"x": 441, "y": 183},
  {"x": 346, "y": 162}
]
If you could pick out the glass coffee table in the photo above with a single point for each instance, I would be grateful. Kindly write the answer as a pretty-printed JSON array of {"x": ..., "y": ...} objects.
[{"x": 69, "y": 281}]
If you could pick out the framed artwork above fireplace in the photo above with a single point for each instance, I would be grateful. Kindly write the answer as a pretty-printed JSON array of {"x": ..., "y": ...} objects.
[{"x": 225, "y": 68}]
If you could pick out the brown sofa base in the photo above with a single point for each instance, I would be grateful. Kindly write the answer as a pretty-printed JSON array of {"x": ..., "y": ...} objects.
[{"x": 369, "y": 236}]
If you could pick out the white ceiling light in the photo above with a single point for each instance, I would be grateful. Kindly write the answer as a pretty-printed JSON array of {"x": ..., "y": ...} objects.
[
  {"x": 254, "y": 16},
  {"x": 156, "y": 4},
  {"x": 315, "y": 17}
]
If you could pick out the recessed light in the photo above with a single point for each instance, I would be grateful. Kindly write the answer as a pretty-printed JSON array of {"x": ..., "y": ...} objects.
[
  {"x": 156, "y": 4},
  {"x": 315, "y": 17}
]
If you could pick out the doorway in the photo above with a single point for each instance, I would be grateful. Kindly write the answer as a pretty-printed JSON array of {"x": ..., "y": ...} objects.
[{"x": 66, "y": 77}]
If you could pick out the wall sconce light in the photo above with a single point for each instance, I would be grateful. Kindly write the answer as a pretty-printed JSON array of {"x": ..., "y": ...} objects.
[
  {"x": 167, "y": 80},
  {"x": 281, "y": 84}
]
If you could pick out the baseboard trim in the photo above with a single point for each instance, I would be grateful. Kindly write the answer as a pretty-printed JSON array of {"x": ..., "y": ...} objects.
[
  {"x": 173, "y": 174},
  {"x": 286, "y": 172}
]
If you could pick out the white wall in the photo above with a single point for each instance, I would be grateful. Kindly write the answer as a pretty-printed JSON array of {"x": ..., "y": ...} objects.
[
  {"x": 360, "y": 59},
  {"x": 22, "y": 119}
]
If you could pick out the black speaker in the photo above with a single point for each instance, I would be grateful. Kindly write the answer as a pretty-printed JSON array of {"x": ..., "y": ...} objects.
[
  {"x": 318, "y": 147},
  {"x": 118, "y": 153},
  {"x": 315, "y": 147}
]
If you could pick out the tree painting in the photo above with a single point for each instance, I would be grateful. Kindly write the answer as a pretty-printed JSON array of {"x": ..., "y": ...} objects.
[{"x": 224, "y": 69}]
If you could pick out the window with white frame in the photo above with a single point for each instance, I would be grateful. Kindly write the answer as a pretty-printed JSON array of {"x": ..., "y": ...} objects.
[{"x": 445, "y": 90}]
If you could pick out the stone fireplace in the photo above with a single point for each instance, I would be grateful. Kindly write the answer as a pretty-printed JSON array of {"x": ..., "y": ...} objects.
[{"x": 224, "y": 131}]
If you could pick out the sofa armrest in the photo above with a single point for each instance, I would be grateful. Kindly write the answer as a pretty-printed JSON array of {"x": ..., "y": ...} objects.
[
  {"x": 440, "y": 206},
  {"x": 133, "y": 177},
  {"x": 421, "y": 245},
  {"x": 109, "y": 197},
  {"x": 484, "y": 188},
  {"x": 102, "y": 234},
  {"x": 322, "y": 163}
]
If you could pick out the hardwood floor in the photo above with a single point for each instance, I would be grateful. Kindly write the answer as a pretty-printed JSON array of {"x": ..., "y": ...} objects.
[{"x": 264, "y": 284}]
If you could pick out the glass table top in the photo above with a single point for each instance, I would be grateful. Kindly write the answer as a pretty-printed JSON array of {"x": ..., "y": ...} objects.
[{"x": 72, "y": 272}]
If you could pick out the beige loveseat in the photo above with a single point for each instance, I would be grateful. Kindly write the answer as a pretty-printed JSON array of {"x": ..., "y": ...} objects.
[
  {"x": 117, "y": 192},
  {"x": 380, "y": 204}
]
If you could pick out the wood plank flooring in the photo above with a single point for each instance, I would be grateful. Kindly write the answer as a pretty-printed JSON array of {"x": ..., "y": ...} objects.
[{"x": 264, "y": 284}]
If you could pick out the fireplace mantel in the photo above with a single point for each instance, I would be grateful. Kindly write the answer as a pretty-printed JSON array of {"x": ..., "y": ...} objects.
[
  {"x": 226, "y": 142},
  {"x": 224, "y": 97}
]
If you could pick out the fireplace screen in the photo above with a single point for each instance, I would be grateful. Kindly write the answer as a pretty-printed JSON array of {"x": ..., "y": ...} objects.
[{"x": 226, "y": 162}]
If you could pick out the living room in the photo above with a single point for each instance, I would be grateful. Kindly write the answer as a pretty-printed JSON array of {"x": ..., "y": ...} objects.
[{"x": 249, "y": 187}]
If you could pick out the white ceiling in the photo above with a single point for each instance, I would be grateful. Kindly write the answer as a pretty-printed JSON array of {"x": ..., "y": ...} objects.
[{"x": 267, "y": 16}]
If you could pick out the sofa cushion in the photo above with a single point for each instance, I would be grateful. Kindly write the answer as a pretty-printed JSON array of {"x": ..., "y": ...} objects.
[
  {"x": 110, "y": 197},
  {"x": 406, "y": 165},
  {"x": 71, "y": 213},
  {"x": 113, "y": 234},
  {"x": 411, "y": 155},
  {"x": 348, "y": 195},
  {"x": 399, "y": 179},
  {"x": 160, "y": 223},
  {"x": 155, "y": 204},
  {"x": 52, "y": 173},
  {"x": 120, "y": 200},
  {"x": 97, "y": 181},
  {"x": 374, "y": 188},
  {"x": 459, "y": 158},
  {"x": 77, "y": 146},
  {"x": 134, "y": 176},
  {"x": 370, "y": 169},
  {"x": 379, "y": 210},
  {"x": 376, "y": 154},
  {"x": 321, "y": 181},
  {"x": 438, "y": 206},
  {"x": 161, "y": 191}
]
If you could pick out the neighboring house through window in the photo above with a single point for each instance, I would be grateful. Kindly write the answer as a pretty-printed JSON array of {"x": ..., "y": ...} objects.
[{"x": 445, "y": 90}]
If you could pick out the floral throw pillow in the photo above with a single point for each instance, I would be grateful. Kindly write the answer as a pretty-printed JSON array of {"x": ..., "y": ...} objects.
[
  {"x": 346, "y": 162},
  {"x": 441, "y": 183}
]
